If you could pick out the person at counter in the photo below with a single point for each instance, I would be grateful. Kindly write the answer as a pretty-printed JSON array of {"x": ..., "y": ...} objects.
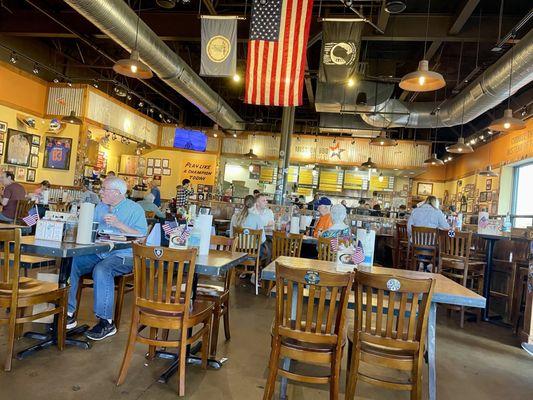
[
  {"x": 148, "y": 204},
  {"x": 376, "y": 211},
  {"x": 428, "y": 215},
  {"x": 256, "y": 193},
  {"x": 87, "y": 195},
  {"x": 362, "y": 208},
  {"x": 116, "y": 214},
  {"x": 13, "y": 192},
  {"x": 324, "y": 221},
  {"x": 313, "y": 205},
  {"x": 339, "y": 229},
  {"x": 402, "y": 211},
  {"x": 227, "y": 195},
  {"x": 156, "y": 192},
  {"x": 183, "y": 192}
]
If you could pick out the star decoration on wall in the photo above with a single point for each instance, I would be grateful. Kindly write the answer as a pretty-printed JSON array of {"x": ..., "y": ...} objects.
[{"x": 336, "y": 151}]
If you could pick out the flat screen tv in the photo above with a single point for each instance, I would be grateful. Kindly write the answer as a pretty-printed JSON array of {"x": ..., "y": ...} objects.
[{"x": 190, "y": 139}]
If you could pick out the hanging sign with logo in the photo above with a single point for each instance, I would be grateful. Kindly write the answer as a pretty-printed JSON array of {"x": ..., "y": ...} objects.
[
  {"x": 219, "y": 43},
  {"x": 340, "y": 51}
]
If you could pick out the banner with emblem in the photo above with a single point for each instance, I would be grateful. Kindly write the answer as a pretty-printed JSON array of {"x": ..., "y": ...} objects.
[
  {"x": 219, "y": 44},
  {"x": 341, "y": 45}
]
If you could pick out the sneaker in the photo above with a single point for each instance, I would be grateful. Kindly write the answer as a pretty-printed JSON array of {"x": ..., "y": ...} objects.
[
  {"x": 101, "y": 330},
  {"x": 71, "y": 322}
]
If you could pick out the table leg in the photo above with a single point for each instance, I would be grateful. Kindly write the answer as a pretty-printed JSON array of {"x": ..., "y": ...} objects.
[
  {"x": 487, "y": 278},
  {"x": 50, "y": 339},
  {"x": 431, "y": 348}
]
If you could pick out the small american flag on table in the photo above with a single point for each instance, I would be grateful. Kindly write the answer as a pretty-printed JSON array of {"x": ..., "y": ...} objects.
[
  {"x": 32, "y": 217},
  {"x": 359, "y": 255},
  {"x": 169, "y": 227},
  {"x": 277, "y": 52}
]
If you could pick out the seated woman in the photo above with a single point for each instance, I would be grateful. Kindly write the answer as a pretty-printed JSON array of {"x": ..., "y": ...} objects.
[
  {"x": 147, "y": 203},
  {"x": 339, "y": 229},
  {"x": 37, "y": 195}
]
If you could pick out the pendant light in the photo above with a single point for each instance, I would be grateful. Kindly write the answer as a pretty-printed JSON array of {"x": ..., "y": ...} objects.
[
  {"x": 434, "y": 160},
  {"x": 133, "y": 66},
  {"x": 250, "y": 154},
  {"x": 460, "y": 147},
  {"x": 508, "y": 123},
  {"x": 380, "y": 177},
  {"x": 488, "y": 172},
  {"x": 383, "y": 140},
  {"x": 71, "y": 119},
  {"x": 369, "y": 164},
  {"x": 423, "y": 80}
]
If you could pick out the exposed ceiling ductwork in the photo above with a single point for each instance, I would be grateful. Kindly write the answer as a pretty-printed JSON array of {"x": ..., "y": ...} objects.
[
  {"x": 117, "y": 20},
  {"x": 484, "y": 93}
]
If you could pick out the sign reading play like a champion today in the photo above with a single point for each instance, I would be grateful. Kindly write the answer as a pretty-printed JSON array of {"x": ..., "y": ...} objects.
[
  {"x": 340, "y": 51},
  {"x": 219, "y": 43}
]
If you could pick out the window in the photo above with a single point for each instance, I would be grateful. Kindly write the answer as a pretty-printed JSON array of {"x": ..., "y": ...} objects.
[{"x": 523, "y": 193}]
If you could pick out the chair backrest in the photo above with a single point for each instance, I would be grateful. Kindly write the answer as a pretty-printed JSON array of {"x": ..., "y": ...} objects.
[
  {"x": 424, "y": 237},
  {"x": 159, "y": 274},
  {"x": 322, "y": 319},
  {"x": 401, "y": 231},
  {"x": 325, "y": 251},
  {"x": 286, "y": 244},
  {"x": 149, "y": 214},
  {"x": 23, "y": 208},
  {"x": 456, "y": 247},
  {"x": 223, "y": 243},
  {"x": 60, "y": 207},
  {"x": 9, "y": 277},
  {"x": 392, "y": 311},
  {"x": 248, "y": 240}
]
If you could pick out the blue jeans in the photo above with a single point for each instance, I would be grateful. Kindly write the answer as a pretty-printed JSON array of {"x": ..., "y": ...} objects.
[{"x": 104, "y": 272}]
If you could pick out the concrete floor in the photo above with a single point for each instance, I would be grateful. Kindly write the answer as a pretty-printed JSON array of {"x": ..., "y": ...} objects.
[{"x": 480, "y": 361}]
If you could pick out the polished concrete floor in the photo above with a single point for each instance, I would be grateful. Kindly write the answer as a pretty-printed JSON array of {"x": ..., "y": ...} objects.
[{"x": 480, "y": 361}]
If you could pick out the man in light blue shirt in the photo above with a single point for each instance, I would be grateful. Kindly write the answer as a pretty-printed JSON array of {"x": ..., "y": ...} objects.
[
  {"x": 115, "y": 215},
  {"x": 428, "y": 215}
]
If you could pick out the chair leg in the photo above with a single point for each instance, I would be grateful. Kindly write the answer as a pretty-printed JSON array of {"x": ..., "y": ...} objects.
[
  {"x": 226, "y": 320},
  {"x": 214, "y": 330},
  {"x": 19, "y": 328},
  {"x": 130, "y": 347},
  {"x": 272, "y": 369},
  {"x": 181, "y": 368},
  {"x": 352, "y": 376},
  {"x": 78, "y": 297},
  {"x": 416, "y": 391},
  {"x": 270, "y": 287},
  {"x": 165, "y": 333},
  {"x": 205, "y": 345},
  {"x": 335, "y": 376},
  {"x": 462, "y": 323},
  {"x": 11, "y": 330},
  {"x": 119, "y": 302},
  {"x": 62, "y": 321},
  {"x": 151, "y": 349}
]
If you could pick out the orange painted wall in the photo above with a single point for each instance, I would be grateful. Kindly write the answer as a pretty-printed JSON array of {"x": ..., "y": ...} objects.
[
  {"x": 22, "y": 91},
  {"x": 505, "y": 149}
]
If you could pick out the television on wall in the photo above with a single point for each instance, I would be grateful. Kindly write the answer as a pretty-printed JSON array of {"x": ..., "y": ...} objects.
[{"x": 190, "y": 139}]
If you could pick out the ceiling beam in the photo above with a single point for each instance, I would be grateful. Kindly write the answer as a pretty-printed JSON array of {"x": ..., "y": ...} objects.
[
  {"x": 210, "y": 7},
  {"x": 466, "y": 11},
  {"x": 383, "y": 18}
]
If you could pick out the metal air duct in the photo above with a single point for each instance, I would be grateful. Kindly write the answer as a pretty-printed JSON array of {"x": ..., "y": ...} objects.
[{"x": 117, "y": 20}]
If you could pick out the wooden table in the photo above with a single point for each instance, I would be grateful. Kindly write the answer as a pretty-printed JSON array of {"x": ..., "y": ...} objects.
[
  {"x": 11, "y": 226},
  {"x": 65, "y": 251},
  {"x": 212, "y": 264},
  {"x": 446, "y": 292}
]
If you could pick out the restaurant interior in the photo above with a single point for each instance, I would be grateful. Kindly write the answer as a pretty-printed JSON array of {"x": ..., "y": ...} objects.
[{"x": 288, "y": 199}]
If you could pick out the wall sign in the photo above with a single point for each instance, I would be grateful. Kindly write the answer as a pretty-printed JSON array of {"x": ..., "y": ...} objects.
[{"x": 198, "y": 171}]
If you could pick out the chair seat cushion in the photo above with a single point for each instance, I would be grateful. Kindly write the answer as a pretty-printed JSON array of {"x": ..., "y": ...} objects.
[
  {"x": 27, "y": 287},
  {"x": 199, "y": 307}
]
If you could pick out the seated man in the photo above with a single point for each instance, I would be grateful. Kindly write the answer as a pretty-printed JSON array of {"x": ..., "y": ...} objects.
[
  {"x": 124, "y": 217},
  {"x": 147, "y": 203},
  {"x": 324, "y": 222},
  {"x": 13, "y": 192}
]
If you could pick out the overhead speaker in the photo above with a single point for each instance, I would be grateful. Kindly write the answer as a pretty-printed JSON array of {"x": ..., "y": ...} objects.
[
  {"x": 166, "y": 3},
  {"x": 395, "y": 6}
]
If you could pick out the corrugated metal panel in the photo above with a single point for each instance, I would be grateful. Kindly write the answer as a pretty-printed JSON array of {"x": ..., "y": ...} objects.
[
  {"x": 262, "y": 145},
  {"x": 167, "y": 136},
  {"x": 212, "y": 144},
  {"x": 63, "y": 100},
  {"x": 115, "y": 116}
]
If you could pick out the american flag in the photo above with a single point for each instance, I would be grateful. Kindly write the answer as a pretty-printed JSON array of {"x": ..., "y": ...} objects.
[
  {"x": 359, "y": 255},
  {"x": 277, "y": 52},
  {"x": 32, "y": 217},
  {"x": 334, "y": 245},
  {"x": 169, "y": 227}
]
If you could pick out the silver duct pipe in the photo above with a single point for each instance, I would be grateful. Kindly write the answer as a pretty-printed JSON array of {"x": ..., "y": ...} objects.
[
  {"x": 484, "y": 93},
  {"x": 117, "y": 20}
]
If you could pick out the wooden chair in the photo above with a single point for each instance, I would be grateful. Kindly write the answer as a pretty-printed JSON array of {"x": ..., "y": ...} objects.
[
  {"x": 455, "y": 263},
  {"x": 218, "y": 293},
  {"x": 19, "y": 293},
  {"x": 249, "y": 241},
  {"x": 325, "y": 252},
  {"x": 520, "y": 299},
  {"x": 313, "y": 332},
  {"x": 285, "y": 244},
  {"x": 401, "y": 246},
  {"x": 424, "y": 246},
  {"x": 389, "y": 330},
  {"x": 22, "y": 210},
  {"x": 160, "y": 304}
]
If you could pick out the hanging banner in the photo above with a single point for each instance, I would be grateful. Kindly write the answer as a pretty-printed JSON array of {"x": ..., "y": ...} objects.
[
  {"x": 219, "y": 44},
  {"x": 340, "y": 51}
]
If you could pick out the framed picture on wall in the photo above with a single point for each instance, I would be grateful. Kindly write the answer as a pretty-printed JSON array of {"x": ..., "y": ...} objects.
[
  {"x": 483, "y": 197},
  {"x": 489, "y": 196},
  {"x": 36, "y": 140},
  {"x": 34, "y": 150},
  {"x": 150, "y": 162},
  {"x": 3, "y": 127},
  {"x": 30, "y": 176},
  {"x": 157, "y": 162},
  {"x": 166, "y": 163},
  {"x": 157, "y": 171},
  {"x": 18, "y": 148},
  {"x": 424, "y": 189},
  {"x": 34, "y": 162},
  {"x": 57, "y": 152},
  {"x": 488, "y": 185},
  {"x": 150, "y": 170},
  {"x": 166, "y": 171},
  {"x": 11, "y": 168},
  {"x": 20, "y": 174},
  {"x": 1, "y": 148}
]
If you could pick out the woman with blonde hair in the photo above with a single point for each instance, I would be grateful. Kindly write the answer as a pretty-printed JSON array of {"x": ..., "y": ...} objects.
[
  {"x": 246, "y": 218},
  {"x": 428, "y": 215}
]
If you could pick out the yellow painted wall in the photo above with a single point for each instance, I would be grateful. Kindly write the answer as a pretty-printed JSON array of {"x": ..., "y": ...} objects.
[
  {"x": 20, "y": 90},
  {"x": 56, "y": 177}
]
